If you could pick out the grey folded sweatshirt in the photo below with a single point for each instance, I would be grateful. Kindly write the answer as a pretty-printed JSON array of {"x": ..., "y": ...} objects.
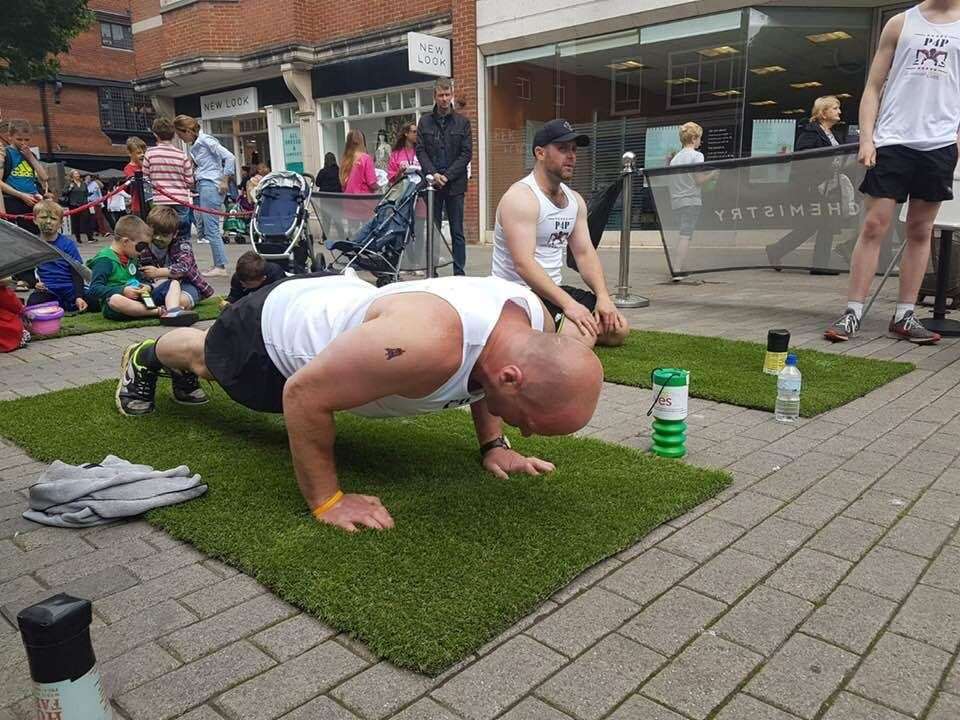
[{"x": 77, "y": 496}]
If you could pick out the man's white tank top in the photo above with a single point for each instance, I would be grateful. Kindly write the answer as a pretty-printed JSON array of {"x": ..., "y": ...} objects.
[
  {"x": 301, "y": 317},
  {"x": 920, "y": 107},
  {"x": 554, "y": 226}
]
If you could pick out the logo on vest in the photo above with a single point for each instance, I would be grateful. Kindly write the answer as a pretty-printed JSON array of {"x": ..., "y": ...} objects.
[{"x": 931, "y": 57}]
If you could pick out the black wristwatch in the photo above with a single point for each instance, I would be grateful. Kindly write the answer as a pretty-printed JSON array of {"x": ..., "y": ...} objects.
[{"x": 495, "y": 443}]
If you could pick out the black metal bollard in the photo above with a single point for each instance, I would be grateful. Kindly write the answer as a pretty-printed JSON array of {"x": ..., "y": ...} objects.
[
  {"x": 139, "y": 194},
  {"x": 66, "y": 680}
]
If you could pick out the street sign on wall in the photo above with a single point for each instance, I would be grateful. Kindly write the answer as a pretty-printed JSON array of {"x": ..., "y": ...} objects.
[
  {"x": 429, "y": 55},
  {"x": 229, "y": 103}
]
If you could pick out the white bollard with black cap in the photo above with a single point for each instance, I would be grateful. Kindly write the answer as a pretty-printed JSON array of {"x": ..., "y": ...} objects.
[{"x": 66, "y": 679}]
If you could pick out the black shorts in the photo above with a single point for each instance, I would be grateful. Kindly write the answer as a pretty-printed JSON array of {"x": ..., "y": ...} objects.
[
  {"x": 584, "y": 297},
  {"x": 903, "y": 172},
  {"x": 235, "y": 354}
]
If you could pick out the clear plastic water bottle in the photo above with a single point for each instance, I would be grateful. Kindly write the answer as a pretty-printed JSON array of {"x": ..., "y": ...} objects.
[{"x": 788, "y": 392}]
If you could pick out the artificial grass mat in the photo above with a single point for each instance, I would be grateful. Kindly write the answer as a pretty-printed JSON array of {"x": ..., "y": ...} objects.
[
  {"x": 95, "y": 322},
  {"x": 469, "y": 555},
  {"x": 730, "y": 371}
]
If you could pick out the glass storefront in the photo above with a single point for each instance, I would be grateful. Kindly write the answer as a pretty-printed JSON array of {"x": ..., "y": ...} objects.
[
  {"x": 245, "y": 137},
  {"x": 748, "y": 77},
  {"x": 380, "y": 115}
]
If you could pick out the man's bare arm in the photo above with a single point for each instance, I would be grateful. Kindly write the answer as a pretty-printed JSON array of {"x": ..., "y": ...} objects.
[
  {"x": 588, "y": 262},
  {"x": 388, "y": 358},
  {"x": 879, "y": 70},
  {"x": 518, "y": 217}
]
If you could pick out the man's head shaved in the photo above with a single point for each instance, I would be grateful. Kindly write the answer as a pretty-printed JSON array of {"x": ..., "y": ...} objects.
[{"x": 547, "y": 385}]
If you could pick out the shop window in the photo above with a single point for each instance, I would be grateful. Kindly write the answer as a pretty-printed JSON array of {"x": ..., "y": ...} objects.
[
  {"x": 394, "y": 101},
  {"x": 524, "y": 90},
  {"x": 221, "y": 128},
  {"x": 253, "y": 125},
  {"x": 287, "y": 115},
  {"x": 366, "y": 105},
  {"x": 380, "y": 103},
  {"x": 115, "y": 35},
  {"x": 409, "y": 99},
  {"x": 124, "y": 112}
]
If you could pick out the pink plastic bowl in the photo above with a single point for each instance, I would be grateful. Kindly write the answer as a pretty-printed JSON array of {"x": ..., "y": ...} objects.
[{"x": 44, "y": 319}]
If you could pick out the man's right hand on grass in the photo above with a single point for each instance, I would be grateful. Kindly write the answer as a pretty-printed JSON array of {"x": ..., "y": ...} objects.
[{"x": 354, "y": 512}]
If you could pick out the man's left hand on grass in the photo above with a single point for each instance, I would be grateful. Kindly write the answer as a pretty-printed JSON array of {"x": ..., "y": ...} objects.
[
  {"x": 607, "y": 315},
  {"x": 503, "y": 461}
]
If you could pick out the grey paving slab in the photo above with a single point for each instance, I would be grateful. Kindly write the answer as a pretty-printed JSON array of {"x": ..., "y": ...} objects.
[
  {"x": 746, "y": 509},
  {"x": 809, "y": 574},
  {"x": 672, "y": 620},
  {"x": 774, "y": 539},
  {"x": 109, "y": 641},
  {"x": 812, "y": 508},
  {"x": 931, "y": 615},
  {"x": 900, "y": 673},
  {"x": 702, "y": 676},
  {"x": 581, "y": 622},
  {"x": 702, "y": 538},
  {"x": 136, "y": 667},
  {"x": 142, "y": 595},
  {"x": 648, "y": 575},
  {"x": 886, "y": 572},
  {"x": 846, "y": 538},
  {"x": 381, "y": 690},
  {"x": 637, "y": 707},
  {"x": 946, "y": 707},
  {"x": 425, "y": 709},
  {"x": 843, "y": 484},
  {"x": 744, "y": 707},
  {"x": 938, "y": 506},
  {"x": 289, "y": 638},
  {"x": 587, "y": 578},
  {"x": 188, "y": 686},
  {"x": 497, "y": 681},
  {"x": 802, "y": 675},
  {"x": 852, "y": 707},
  {"x": 216, "y": 597},
  {"x": 729, "y": 575},
  {"x": 917, "y": 536},
  {"x": 850, "y": 618},
  {"x": 877, "y": 507},
  {"x": 597, "y": 681},
  {"x": 286, "y": 686},
  {"x": 763, "y": 619},
  {"x": 323, "y": 708},
  {"x": 531, "y": 708},
  {"x": 944, "y": 571}
]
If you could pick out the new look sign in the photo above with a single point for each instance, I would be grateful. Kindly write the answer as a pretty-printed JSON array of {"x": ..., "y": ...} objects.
[
  {"x": 229, "y": 103},
  {"x": 428, "y": 54}
]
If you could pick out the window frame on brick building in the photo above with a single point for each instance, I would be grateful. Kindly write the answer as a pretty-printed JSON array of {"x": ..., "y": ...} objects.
[
  {"x": 128, "y": 102},
  {"x": 126, "y": 36}
]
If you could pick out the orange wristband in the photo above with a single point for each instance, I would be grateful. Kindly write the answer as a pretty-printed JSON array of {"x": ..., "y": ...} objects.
[{"x": 333, "y": 500}]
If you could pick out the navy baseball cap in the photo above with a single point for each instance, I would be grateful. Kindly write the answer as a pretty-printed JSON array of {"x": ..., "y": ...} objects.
[{"x": 557, "y": 131}]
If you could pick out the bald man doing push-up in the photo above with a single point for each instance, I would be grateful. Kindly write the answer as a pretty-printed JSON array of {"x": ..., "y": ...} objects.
[{"x": 310, "y": 346}]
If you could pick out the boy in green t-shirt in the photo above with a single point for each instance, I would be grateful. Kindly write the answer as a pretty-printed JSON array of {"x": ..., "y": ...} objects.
[{"x": 117, "y": 282}]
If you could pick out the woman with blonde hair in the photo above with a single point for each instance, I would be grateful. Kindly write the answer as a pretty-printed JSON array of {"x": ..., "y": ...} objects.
[
  {"x": 823, "y": 130},
  {"x": 215, "y": 165},
  {"x": 357, "y": 174}
]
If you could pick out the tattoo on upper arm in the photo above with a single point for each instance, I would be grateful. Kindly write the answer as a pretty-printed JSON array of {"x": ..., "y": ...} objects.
[{"x": 394, "y": 352}]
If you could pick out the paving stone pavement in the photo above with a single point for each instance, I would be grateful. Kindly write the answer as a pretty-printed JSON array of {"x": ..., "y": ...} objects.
[{"x": 824, "y": 583}]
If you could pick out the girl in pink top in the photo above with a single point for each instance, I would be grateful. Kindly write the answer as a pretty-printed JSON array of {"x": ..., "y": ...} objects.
[
  {"x": 356, "y": 167},
  {"x": 404, "y": 152}
]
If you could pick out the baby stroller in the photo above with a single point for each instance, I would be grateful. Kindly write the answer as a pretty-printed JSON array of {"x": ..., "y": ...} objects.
[
  {"x": 235, "y": 226},
  {"x": 280, "y": 227},
  {"x": 389, "y": 243}
]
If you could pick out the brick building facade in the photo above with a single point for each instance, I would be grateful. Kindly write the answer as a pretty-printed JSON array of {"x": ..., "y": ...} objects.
[
  {"x": 84, "y": 115},
  {"x": 304, "y": 72}
]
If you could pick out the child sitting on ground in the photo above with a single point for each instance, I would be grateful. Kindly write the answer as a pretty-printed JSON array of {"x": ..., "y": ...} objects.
[
  {"x": 117, "y": 283},
  {"x": 170, "y": 258},
  {"x": 57, "y": 280},
  {"x": 253, "y": 273}
]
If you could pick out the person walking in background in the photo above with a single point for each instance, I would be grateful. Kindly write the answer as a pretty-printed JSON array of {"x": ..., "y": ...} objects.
[
  {"x": 167, "y": 167},
  {"x": 357, "y": 174},
  {"x": 908, "y": 143},
  {"x": 95, "y": 193},
  {"x": 404, "y": 152},
  {"x": 74, "y": 195},
  {"x": 117, "y": 205},
  {"x": 444, "y": 149},
  {"x": 328, "y": 179},
  {"x": 685, "y": 197},
  {"x": 214, "y": 167},
  {"x": 823, "y": 130}
]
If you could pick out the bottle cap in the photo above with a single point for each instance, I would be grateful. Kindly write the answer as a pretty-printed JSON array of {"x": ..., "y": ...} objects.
[
  {"x": 791, "y": 359},
  {"x": 778, "y": 340}
]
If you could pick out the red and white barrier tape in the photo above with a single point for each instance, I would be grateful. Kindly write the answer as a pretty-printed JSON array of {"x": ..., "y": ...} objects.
[{"x": 76, "y": 210}]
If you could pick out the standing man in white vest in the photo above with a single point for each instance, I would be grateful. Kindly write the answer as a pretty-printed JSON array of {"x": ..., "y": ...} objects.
[
  {"x": 908, "y": 142},
  {"x": 536, "y": 219}
]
